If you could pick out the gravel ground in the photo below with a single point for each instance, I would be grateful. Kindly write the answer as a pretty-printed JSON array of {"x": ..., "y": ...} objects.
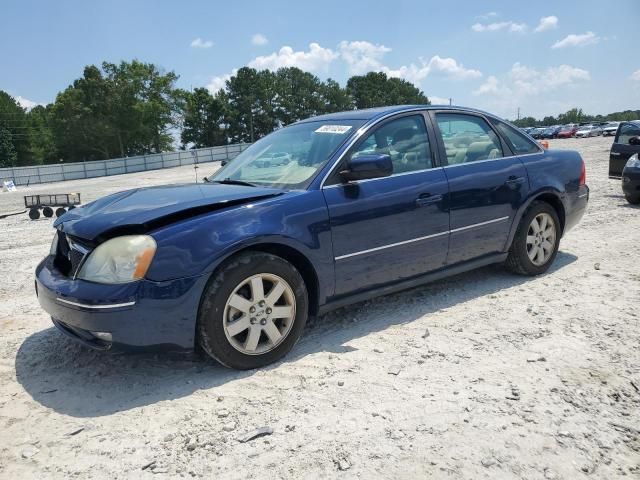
[{"x": 483, "y": 375}]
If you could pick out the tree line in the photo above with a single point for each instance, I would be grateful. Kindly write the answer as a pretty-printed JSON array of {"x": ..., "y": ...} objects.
[
  {"x": 135, "y": 108},
  {"x": 576, "y": 115}
]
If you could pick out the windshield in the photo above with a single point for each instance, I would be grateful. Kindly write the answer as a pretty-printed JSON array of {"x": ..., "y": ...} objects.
[{"x": 290, "y": 157}]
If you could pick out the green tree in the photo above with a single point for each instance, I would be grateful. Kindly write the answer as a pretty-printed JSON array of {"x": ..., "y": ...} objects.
[
  {"x": 204, "y": 119},
  {"x": 299, "y": 95},
  {"x": 13, "y": 118},
  {"x": 41, "y": 137},
  {"x": 375, "y": 89},
  {"x": 8, "y": 155},
  {"x": 251, "y": 104},
  {"x": 125, "y": 109},
  {"x": 575, "y": 115},
  {"x": 335, "y": 98}
]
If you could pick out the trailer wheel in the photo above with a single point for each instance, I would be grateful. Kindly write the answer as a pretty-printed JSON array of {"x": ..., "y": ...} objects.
[
  {"x": 34, "y": 214},
  {"x": 47, "y": 212},
  {"x": 60, "y": 211}
]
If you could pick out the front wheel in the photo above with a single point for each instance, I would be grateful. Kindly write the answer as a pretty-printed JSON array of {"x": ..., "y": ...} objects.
[
  {"x": 253, "y": 311},
  {"x": 536, "y": 242}
]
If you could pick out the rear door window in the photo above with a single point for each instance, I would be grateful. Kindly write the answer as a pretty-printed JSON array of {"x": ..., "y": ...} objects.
[{"x": 467, "y": 138}]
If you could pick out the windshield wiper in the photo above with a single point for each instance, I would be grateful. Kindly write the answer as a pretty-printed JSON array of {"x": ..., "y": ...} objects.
[{"x": 231, "y": 181}]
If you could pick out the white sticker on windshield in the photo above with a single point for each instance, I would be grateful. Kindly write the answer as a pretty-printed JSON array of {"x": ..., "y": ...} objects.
[{"x": 339, "y": 129}]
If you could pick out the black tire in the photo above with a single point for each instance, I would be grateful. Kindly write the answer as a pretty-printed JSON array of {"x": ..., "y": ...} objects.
[
  {"x": 518, "y": 260},
  {"x": 71, "y": 207},
  {"x": 60, "y": 211},
  {"x": 210, "y": 324},
  {"x": 47, "y": 212},
  {"x": 34, "y": 214},
  {"x": 632, "y": 199}
]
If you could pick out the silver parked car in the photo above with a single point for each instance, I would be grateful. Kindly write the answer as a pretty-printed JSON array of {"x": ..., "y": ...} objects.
[
  {"x": 610, "y": 129},
  {"x": 588, "y": 131}
]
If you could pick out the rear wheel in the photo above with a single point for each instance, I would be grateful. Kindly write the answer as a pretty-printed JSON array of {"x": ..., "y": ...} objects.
[
  {"x": 253, "y": 311},
  {"x": 47, "y": 212},
  {"x": 536, "y": 242},
  {"x": 632, "y": 199}
]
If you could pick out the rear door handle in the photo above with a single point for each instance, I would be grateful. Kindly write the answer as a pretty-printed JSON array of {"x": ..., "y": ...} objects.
[
  {"x": 512, "y": 181},
  {"x": 428, "y": 199}
]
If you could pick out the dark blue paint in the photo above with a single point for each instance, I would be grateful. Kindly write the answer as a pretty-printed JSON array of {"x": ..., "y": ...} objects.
[{"x": 197, "y": 227}]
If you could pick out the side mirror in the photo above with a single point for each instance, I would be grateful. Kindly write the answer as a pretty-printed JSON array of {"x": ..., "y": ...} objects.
[
  {"x": 634, "y": 140},
  {"x": 367, "y": 166}
]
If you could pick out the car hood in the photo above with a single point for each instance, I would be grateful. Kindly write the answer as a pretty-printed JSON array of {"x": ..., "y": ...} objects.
[{"x": 145, "y": 209}]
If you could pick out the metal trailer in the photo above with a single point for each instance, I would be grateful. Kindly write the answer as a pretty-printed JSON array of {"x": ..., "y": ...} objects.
[{"x": 60, "y": 201}]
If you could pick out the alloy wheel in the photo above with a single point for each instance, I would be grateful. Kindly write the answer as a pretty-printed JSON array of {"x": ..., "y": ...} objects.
[
  {"x": 541, "y": 239},
  {"x": 259, "y": 314}
]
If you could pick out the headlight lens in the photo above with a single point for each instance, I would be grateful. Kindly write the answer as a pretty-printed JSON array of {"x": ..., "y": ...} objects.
[
  {"x": 119, "y": 260},
  {"x": 54, "y": 245},
  {"x": 633, "y": 162}
]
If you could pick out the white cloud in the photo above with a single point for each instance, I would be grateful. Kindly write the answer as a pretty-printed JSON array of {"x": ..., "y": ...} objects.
[
  {"x": 219, "y": 82},
  {"x": 575, "y": 40},
  {"x": 497, "y": 26},
  {"x": 26, "y": 103},
  {"x": 359, "y": 57},
  {"x": 435, "y": 100},
  {"x": 452, "y": 68},
  {"x": 527, "y": 81},
  {"x": 259, "y": 39},
  {"x": 362, "y": 56},
  {"x": 531, "y": 81},
  {"x": 200, "y": 43},
  {"x": 636, "y": 76},
  {"x": 547, "y": 23},
  {"x": 317, "y": 58},
  {"x": 490, "y": 86}
]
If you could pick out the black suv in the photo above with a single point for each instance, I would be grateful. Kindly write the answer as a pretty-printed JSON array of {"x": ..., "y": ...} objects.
[{"x": 626, "y": 143}]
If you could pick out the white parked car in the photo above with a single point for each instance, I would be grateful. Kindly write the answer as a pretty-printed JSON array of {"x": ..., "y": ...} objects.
[
  {"x": 610, "y": 129},
  {"x": 588, "y": 131}
]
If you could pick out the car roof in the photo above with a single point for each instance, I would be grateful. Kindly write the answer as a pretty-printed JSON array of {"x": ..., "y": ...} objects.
[{"x": 369, "y": 114}]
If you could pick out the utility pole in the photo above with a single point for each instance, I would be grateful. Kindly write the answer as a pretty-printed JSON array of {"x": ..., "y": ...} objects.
[
  {"x": 518, "y": 113},
  {"x": 450, "y": 101}
]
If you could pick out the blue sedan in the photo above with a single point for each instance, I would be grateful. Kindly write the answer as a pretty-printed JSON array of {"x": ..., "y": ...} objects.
[{"x": 359, "y": 204}]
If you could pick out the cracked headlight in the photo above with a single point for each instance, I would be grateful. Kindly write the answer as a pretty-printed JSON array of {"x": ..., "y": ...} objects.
[{"x": 119, "y": 260}]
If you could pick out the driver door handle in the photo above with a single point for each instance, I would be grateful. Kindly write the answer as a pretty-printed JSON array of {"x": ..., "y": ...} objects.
[{"x": 427, "y": 199}]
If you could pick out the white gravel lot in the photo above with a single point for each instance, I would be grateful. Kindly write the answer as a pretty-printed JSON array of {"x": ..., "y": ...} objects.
[{"x": 498, "y": 376}]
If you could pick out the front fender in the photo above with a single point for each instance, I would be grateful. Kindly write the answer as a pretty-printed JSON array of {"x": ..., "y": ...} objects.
[{"x": 297, "y": 219}]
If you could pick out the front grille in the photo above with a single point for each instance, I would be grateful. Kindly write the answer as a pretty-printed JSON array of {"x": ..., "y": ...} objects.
[{"x": 69, "y": 255}]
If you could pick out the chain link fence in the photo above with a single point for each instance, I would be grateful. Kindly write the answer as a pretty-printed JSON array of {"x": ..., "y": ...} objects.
[{"x": 118, "y": 166}]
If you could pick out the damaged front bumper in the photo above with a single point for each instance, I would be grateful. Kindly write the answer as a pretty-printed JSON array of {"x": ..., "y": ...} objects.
[{"x": 137, "y": 315}]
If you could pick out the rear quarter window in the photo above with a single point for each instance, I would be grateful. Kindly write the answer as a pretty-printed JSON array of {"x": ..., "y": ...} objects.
[{"x": 519, "y": 143}]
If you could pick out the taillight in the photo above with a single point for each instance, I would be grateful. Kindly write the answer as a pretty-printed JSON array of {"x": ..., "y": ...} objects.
[{"x": 583, "y": 174}]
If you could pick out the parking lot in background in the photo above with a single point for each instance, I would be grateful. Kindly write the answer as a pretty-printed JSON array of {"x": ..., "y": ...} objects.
[{"x": 483, "y": 375}]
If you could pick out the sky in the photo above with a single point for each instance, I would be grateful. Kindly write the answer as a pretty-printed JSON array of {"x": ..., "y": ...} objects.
[{"x": 542, "y": 58}]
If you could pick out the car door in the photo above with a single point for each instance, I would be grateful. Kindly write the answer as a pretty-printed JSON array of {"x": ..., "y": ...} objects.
[
  {"x": 392, "y": 228},
  {"x": 486, "y": 187},
  {"x": 621, "y": 149}
]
